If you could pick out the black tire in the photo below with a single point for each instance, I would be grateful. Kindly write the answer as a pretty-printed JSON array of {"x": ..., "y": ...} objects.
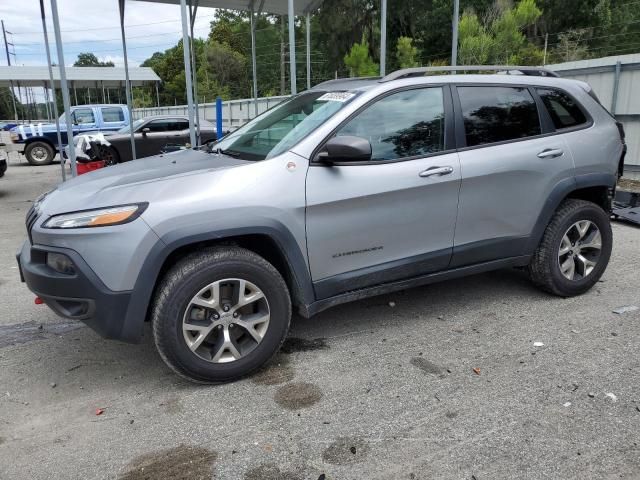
[
  {"x": 189, "y": 276},
  {"x": 39, "y": 153},
  {"x": 544, "y": 269},
  {"x": 110, "y": 156}
]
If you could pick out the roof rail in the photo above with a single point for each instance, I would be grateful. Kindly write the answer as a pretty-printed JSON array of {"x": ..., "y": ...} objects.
[
  {"x": 327, "y": 83},
  {"x": 422, "y": 71}
]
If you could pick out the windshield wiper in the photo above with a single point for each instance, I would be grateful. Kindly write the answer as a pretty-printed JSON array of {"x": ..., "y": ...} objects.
[{"x": 229, "y": 153}]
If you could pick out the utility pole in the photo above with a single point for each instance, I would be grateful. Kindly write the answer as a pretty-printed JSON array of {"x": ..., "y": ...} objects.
[
  {"x": 6, "y": 48},
  {"x": 282, "y": 53},
  {"x": 454, "y": 40},
  {"x": 546, "y": 42}
]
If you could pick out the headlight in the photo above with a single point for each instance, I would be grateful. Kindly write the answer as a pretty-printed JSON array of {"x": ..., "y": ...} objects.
[
  {"x": 14, "y": 136},
  {"x": 97, "y": 218}
]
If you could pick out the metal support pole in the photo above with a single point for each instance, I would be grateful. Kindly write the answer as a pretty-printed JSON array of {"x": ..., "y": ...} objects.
[
  {"x": 383, "y": 38},
  {"x": 63, "y": 87},
  {"x": 254, "y": 70},
  {"x": 187, "y": 70},
  {"x": 102, "y": 86},
  {"x": 194, "y": 70},
  {"x": 616, "y": 84},
  {"x": 546, "y": 44},
  {"x": 75, "y": 92},
  {"x": 53, "y": 90},
  {"x": 219, "y": 132},
  {"x": 292, "y": 46},
  {"x": 308, "y": 50},
  {"x": 157, "y": 95},
  {"x": 13, "y": 95},
  {"x": 46, "y": 101},
  {"x": 127, "y": 82},
  {"x": 108, "y": 96},
  {"x": 454, "y": 40}
]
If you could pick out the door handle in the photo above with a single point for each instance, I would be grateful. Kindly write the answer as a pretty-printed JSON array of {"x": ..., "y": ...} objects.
[
  {"x": 432, "y": 171},
  {"x": 550, "y": 153}
]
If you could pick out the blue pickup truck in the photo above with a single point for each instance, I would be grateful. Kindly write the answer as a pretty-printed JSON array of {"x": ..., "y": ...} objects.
[{"x": 39, "y": 141}]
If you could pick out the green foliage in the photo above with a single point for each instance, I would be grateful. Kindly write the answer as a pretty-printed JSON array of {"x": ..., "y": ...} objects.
[
  {"x": 359, "y": 62},
  {"x": 406, "y": 53},
  {"x": 90, "y": 60},
  {"x": 500, "y": 38}
]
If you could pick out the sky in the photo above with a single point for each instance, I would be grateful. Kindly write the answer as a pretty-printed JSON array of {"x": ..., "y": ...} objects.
[{"x": 94, "y": 26}]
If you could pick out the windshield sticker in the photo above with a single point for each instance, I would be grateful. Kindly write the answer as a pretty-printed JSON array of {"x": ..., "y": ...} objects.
[{"x": 336, "y": 97}]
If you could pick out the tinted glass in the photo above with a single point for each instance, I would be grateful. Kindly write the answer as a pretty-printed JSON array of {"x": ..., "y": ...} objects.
[
  {"x": 83, "y": 115},
  {"x": 179, "y": 125},
  {"x": 159, "y": 125},
  {"x": 112, "y": 114},
  {"x": 562, "y": 108},
  {"x": 404, "y": 124},
  {"x": 496, "y": 114}
]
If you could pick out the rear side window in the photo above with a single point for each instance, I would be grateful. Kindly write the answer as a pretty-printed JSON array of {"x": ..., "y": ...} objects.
[
  {"x": 112, "y": 114},
  {"x": 404, "y": 124},
  {"x": 563, "y": 109},
  {"x": 498, "y": 114}
]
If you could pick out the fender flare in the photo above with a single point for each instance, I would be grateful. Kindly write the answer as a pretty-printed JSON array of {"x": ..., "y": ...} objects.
[
  {"x": 561, "y": 191},
  {"x": 149, "y": 273}
]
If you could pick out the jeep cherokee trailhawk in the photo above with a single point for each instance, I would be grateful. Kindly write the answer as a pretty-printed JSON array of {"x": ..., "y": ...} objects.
[{"x": 353, "y": 188}]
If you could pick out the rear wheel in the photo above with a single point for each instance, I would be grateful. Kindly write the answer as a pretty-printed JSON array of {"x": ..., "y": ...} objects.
[
  {"x": 574, "y": 251},
  {"x": 39, "y": 153},
  {"x": 219, "y": 314}
]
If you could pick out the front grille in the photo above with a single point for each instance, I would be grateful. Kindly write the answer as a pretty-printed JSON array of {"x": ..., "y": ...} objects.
[{"x": 32, "y": 216}]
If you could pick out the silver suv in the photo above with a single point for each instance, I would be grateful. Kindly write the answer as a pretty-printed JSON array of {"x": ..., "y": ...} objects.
[{"x": 354, "y": 188}]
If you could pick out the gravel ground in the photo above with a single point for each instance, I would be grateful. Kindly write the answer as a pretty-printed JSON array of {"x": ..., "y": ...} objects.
[{"x": 442, "y": 381}]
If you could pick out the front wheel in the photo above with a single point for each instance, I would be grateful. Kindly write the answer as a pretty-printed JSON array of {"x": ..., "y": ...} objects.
[
  {"x": 574, "y": 251},
  {"x": 220, "y": 314}
]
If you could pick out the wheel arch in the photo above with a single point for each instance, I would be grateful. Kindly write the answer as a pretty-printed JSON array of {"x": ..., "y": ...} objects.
[
  {"x": 594, "y": 187},
  {"x": 46, "y": 140},
  {"x": 276, "y": 245}
]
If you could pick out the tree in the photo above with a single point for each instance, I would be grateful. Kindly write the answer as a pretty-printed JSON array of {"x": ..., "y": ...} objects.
[
  {"x": 359, "y": 62},
  {"x": 90, "y": 60},
  {"x": 406, "y": 53},
  {"x": 500, "y": 38}
]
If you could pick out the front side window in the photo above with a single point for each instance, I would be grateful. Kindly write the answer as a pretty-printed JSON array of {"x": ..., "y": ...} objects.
[
  {"x": 404, "y": 124},
  {"x": 564, "y": 111},
  {"x": 159, "y": 125},
  {"x": 279, "y": 129},
  {"x": 497, "y": 114},
  {"x": 112, "y": 114},
  {"x": 82, "y": 116},
  {"x": 178, "y": 125}
]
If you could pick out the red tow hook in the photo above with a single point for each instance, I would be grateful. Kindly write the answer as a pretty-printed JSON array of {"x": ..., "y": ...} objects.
[{"x": 38, "y": 301}]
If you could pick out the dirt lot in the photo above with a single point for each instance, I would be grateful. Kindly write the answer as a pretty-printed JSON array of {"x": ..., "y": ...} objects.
[{"x": 438, "y": 382}]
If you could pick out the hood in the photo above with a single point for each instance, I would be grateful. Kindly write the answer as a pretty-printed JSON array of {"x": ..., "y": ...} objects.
[{"x": 144, "y": 180}]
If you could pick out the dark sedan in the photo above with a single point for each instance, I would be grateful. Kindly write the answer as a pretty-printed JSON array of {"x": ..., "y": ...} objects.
[{"x": 152, "y": 135}]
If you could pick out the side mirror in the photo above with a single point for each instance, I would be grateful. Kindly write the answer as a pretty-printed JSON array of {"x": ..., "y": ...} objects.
[
  {"x": 346, "y": 149},
  {"x": 145, "y": 130}
]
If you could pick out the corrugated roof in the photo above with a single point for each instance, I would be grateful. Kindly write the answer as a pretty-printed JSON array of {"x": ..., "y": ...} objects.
[
  {"x": 277, "y": 7},
  {"x": 80, "y": 76}
]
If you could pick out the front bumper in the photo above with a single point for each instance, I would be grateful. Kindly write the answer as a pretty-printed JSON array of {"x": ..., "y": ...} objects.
[{"x": 81, "y": 296}]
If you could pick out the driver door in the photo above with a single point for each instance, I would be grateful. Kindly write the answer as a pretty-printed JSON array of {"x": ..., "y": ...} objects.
[{"x": 389, "y": 218}]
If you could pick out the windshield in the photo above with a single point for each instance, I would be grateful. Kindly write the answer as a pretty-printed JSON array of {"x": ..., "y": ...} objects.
[
  {"x": 135, "y": 125},
  {"x": 280, "y": 128}
]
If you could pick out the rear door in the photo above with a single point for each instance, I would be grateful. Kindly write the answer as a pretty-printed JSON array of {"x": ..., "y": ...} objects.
[
  {"x": 393, "y": 217},
  {"x": 510, "y": 161},
  {"x": 113, "y": 118}
]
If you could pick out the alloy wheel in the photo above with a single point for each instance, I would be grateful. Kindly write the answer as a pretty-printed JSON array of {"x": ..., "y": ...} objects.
[
  {"x": 579, "y": 250},
  {"x": 226, "y": 320}
]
